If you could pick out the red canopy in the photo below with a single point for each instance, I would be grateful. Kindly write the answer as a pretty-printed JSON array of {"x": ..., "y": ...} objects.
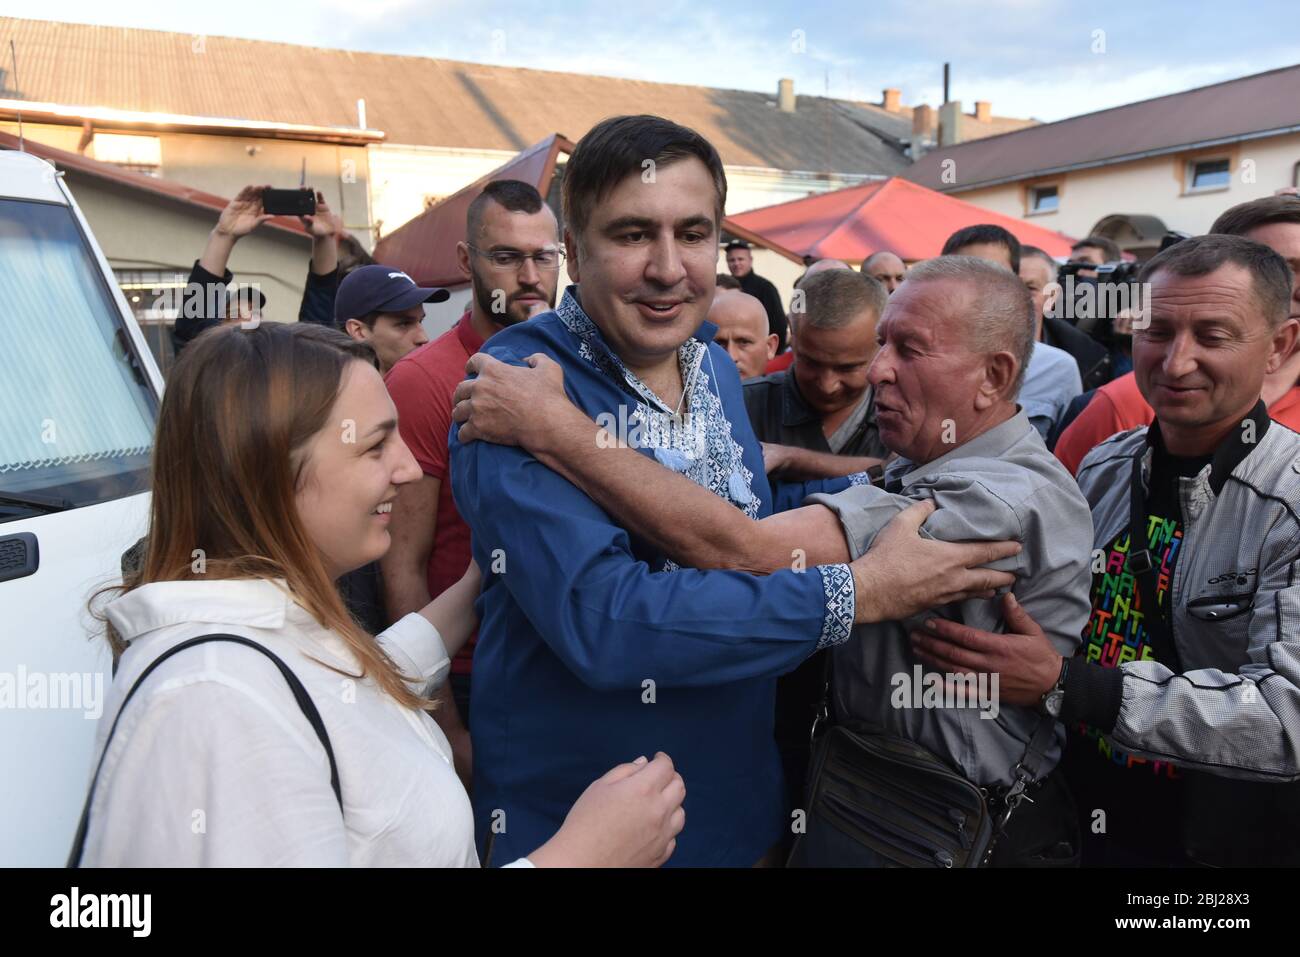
[
  {"x": 425, "y": 247},
  {"x": 893, "y": 214}
]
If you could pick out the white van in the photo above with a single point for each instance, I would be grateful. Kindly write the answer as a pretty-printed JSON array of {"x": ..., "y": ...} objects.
[{"x": 79, "y": 394}]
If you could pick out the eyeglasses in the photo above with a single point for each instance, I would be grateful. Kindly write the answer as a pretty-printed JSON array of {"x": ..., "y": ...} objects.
[{"x": 545, "y": 259}]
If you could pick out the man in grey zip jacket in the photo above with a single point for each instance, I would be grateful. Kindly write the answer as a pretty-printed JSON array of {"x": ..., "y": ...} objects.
[{"x": 1186, "y": 694}]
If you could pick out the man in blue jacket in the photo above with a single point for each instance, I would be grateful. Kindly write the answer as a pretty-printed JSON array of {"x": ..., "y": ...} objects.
[{"x": 592, "y": 643}]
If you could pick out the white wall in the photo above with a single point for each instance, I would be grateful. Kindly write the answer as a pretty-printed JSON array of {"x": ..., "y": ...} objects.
[
  {"x": 441, "y": 316},
  {"x": 750, "y": 187},
  {"x": 403, "y": 178}
]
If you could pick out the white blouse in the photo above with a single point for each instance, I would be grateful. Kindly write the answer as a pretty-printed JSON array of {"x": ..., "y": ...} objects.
[{"x": 214, "y": 764}]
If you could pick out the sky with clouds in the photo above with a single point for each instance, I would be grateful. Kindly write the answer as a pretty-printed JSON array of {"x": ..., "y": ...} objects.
[{"x": 1043, "y": 58}]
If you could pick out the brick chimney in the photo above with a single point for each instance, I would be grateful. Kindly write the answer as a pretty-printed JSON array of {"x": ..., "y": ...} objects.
[
  {"x": 922, "y": 119},
  {"x": 893, "y": 100},
  {"x": 983, "y": 111},
  {"x": 785, "y": 96}
]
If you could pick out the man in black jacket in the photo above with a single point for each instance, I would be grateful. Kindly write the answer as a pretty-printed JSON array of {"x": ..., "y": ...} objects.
[
  {"x": 207, "y": 301},
  {"x": 741, "y": 263}
]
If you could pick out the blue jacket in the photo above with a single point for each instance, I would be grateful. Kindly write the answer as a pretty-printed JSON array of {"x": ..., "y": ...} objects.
[{"x": 594, "y": 648}]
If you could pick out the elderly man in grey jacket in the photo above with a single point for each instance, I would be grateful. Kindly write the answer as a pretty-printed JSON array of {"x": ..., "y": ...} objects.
[
  {"x": 1184, "y": 701},
  {"x": 955, "y": 340}
]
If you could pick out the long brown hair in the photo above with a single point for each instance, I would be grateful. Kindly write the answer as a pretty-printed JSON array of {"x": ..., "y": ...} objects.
[{"x": 238, "y": 412}]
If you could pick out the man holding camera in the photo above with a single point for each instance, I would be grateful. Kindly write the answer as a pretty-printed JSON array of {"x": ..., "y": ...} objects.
[{"x": 206, "y": 303}]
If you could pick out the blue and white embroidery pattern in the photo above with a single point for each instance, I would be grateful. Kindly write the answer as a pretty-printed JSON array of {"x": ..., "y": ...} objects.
[
  {"x": 837, "y": 583},
  {"x": 699, "y": 444}
]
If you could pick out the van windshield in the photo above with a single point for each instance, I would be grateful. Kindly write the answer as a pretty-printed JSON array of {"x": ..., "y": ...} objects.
[{"x": 76, "y": 412}]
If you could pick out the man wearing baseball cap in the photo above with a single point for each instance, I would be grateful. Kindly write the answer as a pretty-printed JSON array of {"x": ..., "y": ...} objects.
[{"x": 384, "y": 307}]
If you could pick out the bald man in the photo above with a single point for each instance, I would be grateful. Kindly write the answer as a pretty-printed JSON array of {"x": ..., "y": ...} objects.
[
  {"x": 742, "y": 331},
  {"x": 886, "y": 268},
  {"x": 820, "y": 265}
]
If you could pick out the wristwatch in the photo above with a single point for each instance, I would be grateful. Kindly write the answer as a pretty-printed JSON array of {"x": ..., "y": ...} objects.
[{"x": 1052, "y": 699}]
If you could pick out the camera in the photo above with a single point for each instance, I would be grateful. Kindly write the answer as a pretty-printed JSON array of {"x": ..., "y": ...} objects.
[{"x": 1093, "y": 302}]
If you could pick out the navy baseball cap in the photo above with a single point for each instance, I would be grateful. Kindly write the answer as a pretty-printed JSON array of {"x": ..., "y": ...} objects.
[{"x": 380, "y": 289}]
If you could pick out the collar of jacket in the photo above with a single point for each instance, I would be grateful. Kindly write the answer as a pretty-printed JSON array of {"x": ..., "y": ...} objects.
[
  {"x": 1231, "y": 452},
  {"x": 991, "y": 444}
]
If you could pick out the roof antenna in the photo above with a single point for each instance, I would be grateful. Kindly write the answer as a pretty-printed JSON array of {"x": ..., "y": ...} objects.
[{"x": 13, "y": 53}]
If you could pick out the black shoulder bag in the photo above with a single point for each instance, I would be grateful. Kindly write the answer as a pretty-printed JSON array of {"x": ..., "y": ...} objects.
[
  {"x": 878, "y": 800},
  {"x": 295, "y": 685}
]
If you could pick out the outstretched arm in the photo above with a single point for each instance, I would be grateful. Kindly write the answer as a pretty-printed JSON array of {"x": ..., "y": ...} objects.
[{"x": 527, "y": 406}]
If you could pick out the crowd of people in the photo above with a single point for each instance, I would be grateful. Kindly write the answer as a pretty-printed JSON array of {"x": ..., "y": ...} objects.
[{"x": 587, "y": 579}]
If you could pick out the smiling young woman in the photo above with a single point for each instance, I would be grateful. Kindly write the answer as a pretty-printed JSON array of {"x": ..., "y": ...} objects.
[{"x": 297, "y": 738}]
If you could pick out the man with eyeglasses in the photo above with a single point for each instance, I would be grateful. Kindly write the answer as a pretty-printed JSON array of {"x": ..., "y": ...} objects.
[{"x": 511, "y": 256}]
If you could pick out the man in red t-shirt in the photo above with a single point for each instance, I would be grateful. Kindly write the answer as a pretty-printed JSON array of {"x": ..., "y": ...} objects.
[
  {"x": 1118, "y": 406},
  {"x": 511, "y": 257}
]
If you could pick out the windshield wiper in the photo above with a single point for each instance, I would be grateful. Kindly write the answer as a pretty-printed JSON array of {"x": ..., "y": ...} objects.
[{"x": 46, "y": 503}]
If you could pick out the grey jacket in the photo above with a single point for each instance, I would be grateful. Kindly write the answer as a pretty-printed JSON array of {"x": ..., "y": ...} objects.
[
  {"x": 1003, "y": 484},
  {"x": 1235, "y": 709}
]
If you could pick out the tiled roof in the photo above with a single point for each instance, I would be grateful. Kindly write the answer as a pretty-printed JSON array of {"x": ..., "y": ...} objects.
[
  {"x": 416, "y": 100},
  {"x": 1224, "y": 112}
]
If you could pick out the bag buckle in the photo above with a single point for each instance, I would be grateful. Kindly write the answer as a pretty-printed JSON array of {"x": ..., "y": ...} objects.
[
  {"x": 1013, "y": 796},
  {"x": 821, "y": 717},
  {"x": 1139, "y": 563}
]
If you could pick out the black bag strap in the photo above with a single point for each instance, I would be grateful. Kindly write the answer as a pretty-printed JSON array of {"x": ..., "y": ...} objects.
[
  {"x": 295, "y": 685},
  {"x": 1141, "y": 563}
]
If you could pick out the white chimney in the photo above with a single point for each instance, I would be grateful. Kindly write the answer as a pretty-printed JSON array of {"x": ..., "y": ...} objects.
[
  {"x": 361, "y": 113},
  {"x": 785, "y": 96},
  {"x": 950, "y": 117}
]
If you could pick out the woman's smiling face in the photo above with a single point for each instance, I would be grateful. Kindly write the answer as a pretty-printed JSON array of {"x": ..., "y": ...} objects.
[{"x": 352, "y": 469}]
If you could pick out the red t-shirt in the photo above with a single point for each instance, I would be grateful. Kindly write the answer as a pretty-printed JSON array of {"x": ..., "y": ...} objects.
[
  {"x": 780, "y": 363},
  {"x": 1118, "y": 406},
  {"x": 421, "y": 385}
]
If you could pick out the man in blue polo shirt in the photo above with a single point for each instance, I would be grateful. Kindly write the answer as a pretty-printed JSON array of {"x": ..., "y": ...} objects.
[{"x": 592, "y": 643}]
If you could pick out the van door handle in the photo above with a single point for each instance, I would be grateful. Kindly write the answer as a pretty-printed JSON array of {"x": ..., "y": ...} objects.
[{"x": 20, "y": 556}]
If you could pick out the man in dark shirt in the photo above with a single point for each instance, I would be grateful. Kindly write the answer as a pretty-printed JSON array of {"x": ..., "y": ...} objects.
[
  {"x": 741, "y": 263},
  {"x": 817, "y": 419},
  {"x": 819, "y": 412}
]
